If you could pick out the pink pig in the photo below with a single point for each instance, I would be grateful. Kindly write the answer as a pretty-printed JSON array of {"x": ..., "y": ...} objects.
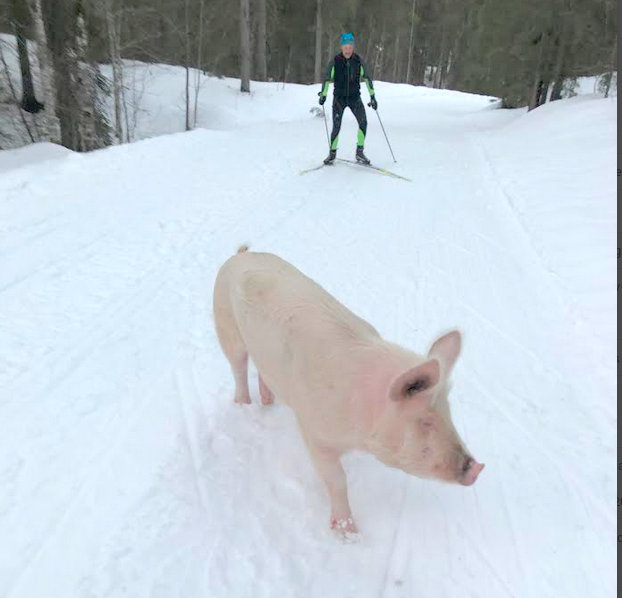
[{"x": 349, "y": 388}]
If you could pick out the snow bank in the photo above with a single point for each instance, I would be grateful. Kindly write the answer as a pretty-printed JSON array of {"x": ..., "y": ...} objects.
[
  {"x": 29, "y": 154},
  {"x": 557, "y": 170}
]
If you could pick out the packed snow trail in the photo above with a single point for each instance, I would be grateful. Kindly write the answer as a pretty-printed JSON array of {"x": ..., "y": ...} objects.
[{"x": 125, "y": 467}]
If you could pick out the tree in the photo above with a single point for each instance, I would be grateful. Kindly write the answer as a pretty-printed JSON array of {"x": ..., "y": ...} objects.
[
  {"x": 199, "y": 65},
  {"x": 523, "y": 52},
  {"x": 317, "y": 71},
  {"x": 411, "y": 40},
  {"x": 262, "y": 62},
  {"x": 90, "y": 124},
  {"x": 29, "y": 101},
  {"x": 49, "y": 120},
  {"x": 245, "y": 46},
  {"x": 187, "y": 59},
  {"x": 117, "y": 67}
]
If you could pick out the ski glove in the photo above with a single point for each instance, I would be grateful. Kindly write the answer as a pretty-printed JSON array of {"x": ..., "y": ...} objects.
[
  {"x": 373, "y": 103},
  {"x": 322, "y": 98}
]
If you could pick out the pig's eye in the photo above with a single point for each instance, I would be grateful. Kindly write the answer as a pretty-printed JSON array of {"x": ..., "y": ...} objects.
[{"x": 416, "y": 386}]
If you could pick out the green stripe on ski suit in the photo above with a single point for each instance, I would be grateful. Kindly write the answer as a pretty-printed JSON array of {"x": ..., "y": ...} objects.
[
  {"x": 360, "y": 138},
  {"x": 327, "y": 82},
  {"x": 370, "y": 86}
]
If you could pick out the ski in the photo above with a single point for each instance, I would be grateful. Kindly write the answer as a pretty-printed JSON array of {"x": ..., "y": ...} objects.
[
  {"x": 312, "y": 169},
  {"x": 376, "y": 168}
]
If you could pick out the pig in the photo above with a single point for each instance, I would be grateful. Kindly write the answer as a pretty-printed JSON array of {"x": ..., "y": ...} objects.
[{"x": 349, "y": 388}]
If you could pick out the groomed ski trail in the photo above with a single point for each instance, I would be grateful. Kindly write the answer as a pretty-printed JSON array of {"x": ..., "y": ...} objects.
[{"x": 126, "y": 468}]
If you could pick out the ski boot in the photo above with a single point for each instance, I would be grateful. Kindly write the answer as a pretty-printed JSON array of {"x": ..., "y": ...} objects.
[
  {"x": 331, "y": 157},
  {"x": 361, "y": 158}
]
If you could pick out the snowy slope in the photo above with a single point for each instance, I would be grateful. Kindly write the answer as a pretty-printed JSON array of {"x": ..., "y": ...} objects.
[{"x": 125, "y": 468}]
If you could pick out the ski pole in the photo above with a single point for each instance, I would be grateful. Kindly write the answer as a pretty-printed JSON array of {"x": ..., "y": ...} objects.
[
  {"x": 326, "y": 126},
  {"x": 385, "y": 133}
]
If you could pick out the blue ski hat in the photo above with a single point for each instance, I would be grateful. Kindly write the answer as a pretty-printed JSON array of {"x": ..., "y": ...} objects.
[{"x": 347, "y": 38}]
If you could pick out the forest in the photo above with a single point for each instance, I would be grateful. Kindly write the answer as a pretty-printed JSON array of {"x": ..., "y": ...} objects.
[{"x": 526, "y": 53}]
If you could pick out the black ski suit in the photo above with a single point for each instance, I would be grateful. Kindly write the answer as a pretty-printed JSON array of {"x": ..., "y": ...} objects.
[{"x": 347, "y": 74}]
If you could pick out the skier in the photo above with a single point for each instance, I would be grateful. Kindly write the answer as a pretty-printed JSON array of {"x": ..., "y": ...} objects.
[{"x": 346, "y": 70}]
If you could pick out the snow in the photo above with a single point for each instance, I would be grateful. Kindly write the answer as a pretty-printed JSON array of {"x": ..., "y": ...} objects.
[
  {"x": 35, "y": 152},
  {"x": 125, "y": 467}
]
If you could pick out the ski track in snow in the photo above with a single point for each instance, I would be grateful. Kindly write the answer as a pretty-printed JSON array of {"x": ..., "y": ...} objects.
[{"x": 125, "y": 467}]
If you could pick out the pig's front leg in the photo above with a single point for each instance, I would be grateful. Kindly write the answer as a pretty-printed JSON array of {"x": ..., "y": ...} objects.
[{"x": 328, "y": 464}]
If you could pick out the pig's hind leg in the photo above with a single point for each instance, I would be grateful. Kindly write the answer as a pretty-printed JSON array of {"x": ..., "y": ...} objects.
[
  {"x": 235, "y": 351},
  {"x": 239, "y": 366},
  {"x": 267, "y": 397}
]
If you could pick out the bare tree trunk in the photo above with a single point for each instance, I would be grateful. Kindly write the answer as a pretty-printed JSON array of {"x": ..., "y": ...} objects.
[
  {"x": 369, "y": 46},
  {"x": 317, "y": 73},
  {"x": 51, "y": 123},
  {"x": 379, "y": 58},
  {"x": 85, "y": 86},
  {"x": 245, "y": 46},
  {"x": 455, "y": 57},
  {"x": 541, "y": 79},
  {"x": 187, "y": 60},
  {"x": 558, "y": 70},
  {"x": 7, "y": 73},
  {"x": 534, "y": 95},
  {"x": 288, "y": 65},
  {"x": 442, "y": 61},
  {"x": 437, "y": 72},
  {"x": 612, "y": 70},
  {"x": 543, "y": 92},
  {"x": 330, "y": 48},
  {"x": 199, "y": 65},
  {"x": 117, "y": 67},
  {"x": 262, "y": 62},
  {"x": 410, "y": 41},
  {"x": 396, "y": 54},
  {"x": 29, "y": 101},
  {"x": 126, "y": 113}
]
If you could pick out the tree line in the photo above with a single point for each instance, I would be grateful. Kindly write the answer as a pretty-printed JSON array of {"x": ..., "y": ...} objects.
[{"x": 524, "y": 52}]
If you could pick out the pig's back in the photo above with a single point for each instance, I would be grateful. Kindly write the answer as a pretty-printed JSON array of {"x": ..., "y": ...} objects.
[{"x": 286, "y": 318}]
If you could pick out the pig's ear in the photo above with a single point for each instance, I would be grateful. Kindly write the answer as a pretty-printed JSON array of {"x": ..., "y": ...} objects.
[
  {"x": 447, "y": 349},
  {"x": 415, "y": 381}
]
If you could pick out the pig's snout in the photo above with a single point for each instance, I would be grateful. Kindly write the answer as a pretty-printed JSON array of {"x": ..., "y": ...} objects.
[{"x": 470, "y": 470}]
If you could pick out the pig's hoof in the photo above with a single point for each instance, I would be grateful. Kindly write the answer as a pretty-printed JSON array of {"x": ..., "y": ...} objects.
[
  {"x": 242, "y": 400},
  {"x": 267, "y": 399},
  {"x": 346, "y": 529}
]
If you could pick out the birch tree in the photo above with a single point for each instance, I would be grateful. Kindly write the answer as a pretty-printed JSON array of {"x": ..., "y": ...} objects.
[
  {"x": 117, "y": 67},
  {"x": 90, "y": 125}
]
